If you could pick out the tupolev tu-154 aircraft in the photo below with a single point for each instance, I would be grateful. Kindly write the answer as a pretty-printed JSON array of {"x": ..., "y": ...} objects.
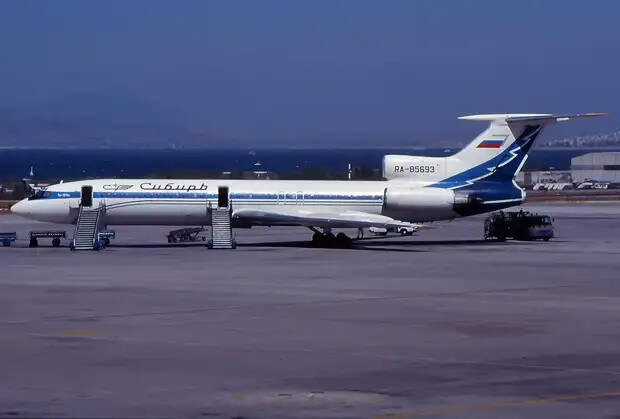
[{"x": 477, "y": 179}]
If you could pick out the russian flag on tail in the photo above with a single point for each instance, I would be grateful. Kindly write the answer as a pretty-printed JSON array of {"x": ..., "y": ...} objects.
[{"x": 491, "y": 144}]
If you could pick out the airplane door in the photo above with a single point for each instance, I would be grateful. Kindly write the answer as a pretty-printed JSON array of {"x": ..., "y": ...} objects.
[
  {"x": 222, "y": 196},
  {"x": 86, "y": 196}
]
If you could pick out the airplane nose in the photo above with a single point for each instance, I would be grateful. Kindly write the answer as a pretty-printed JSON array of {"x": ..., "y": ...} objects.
[{"x": 19, "y": 208}]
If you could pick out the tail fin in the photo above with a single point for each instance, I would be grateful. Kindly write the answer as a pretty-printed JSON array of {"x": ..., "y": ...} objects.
[
  {"x": 495, "y": 146},
  {"x": 501, "y": 150},
  {"x": 497, "y": 153}
]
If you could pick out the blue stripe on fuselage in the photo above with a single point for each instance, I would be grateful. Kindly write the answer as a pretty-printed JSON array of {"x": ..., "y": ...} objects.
[{"x": 189, "y": 195}]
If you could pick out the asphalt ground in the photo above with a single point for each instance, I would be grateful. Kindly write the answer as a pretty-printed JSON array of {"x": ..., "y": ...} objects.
[{"x": 442, "y": 324}]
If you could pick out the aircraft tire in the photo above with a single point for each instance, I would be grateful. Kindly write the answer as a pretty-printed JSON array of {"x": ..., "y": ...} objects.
[
  {"x": 317, "y": 239},
  {"x": 343, "y": 240},
  {"x": 330, "y": 240}
]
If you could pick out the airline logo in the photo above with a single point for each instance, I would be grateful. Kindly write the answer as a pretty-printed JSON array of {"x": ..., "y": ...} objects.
[
  {"x": 116, "y": 187},
  {"x": 490, "y": 144}
]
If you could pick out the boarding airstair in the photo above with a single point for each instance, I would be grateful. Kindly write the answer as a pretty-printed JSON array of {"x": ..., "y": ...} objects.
[
  {"x": 221, "y": 231},
  {"x": 87, "y": 226}
]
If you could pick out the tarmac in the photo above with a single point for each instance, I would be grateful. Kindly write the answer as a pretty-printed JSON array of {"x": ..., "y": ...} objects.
[{"x": 442, "y": 324}]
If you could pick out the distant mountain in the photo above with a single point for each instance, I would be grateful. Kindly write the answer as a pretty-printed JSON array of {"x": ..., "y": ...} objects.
[
  {"x": 112, "y": 108},
  {"x": 89, "y": 120}
]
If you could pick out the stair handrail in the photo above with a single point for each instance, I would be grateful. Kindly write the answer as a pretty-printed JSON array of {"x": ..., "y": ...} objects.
[
  {"x": 77, "y": 223},
  {"x": 99, "y": 221}
]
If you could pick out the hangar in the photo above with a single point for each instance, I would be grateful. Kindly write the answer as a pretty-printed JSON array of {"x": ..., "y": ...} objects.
[{"x": 602, "y": 167}]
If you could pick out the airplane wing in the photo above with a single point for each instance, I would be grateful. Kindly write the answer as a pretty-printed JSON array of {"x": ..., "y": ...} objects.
[{"x": 309, "y": 218}]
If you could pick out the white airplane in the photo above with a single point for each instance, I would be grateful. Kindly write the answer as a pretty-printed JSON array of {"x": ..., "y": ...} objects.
[{"x": 477, "y": 179}]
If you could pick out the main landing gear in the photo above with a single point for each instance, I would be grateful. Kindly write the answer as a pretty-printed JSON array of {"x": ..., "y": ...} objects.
[{"x": 328, "y": 239}]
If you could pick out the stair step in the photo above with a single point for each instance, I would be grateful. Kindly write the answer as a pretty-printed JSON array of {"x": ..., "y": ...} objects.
[
  {"x": 221, "y": 232},
  {"x": 86, "y": 229}
]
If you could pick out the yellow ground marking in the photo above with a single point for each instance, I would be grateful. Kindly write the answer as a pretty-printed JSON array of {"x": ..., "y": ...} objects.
[
  {"x": 238, "y": 397},
  {"x": 88, "y": 332},
  {"x": 496, "y": 405}
]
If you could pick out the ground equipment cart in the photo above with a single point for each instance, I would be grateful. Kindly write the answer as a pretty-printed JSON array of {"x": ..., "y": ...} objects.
[
  {"x": 55, "y": 235},
  {"x": 518, "y": 225},
  {"x": 7, "y": 238}
]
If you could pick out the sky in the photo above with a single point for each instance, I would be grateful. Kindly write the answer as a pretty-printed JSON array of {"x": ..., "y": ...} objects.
[{"x": 290, "y": 72}]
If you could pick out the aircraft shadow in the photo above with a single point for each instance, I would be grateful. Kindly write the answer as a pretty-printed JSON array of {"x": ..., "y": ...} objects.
[
  {"x": 309, "y": 245},
  {"x": 370, "y": 244}
]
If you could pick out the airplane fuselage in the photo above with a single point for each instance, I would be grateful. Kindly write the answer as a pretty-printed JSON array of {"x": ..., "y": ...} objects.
[{"x": 187, "y": 202}]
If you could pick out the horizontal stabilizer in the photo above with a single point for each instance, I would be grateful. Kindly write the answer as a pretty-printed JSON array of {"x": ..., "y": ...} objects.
[
  {"x": 520, "y": 117},
  {"x": 554, "y": 118}
]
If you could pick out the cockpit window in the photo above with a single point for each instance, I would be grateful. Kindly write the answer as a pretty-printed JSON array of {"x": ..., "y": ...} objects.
[{"x": 41, "y": 194}]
